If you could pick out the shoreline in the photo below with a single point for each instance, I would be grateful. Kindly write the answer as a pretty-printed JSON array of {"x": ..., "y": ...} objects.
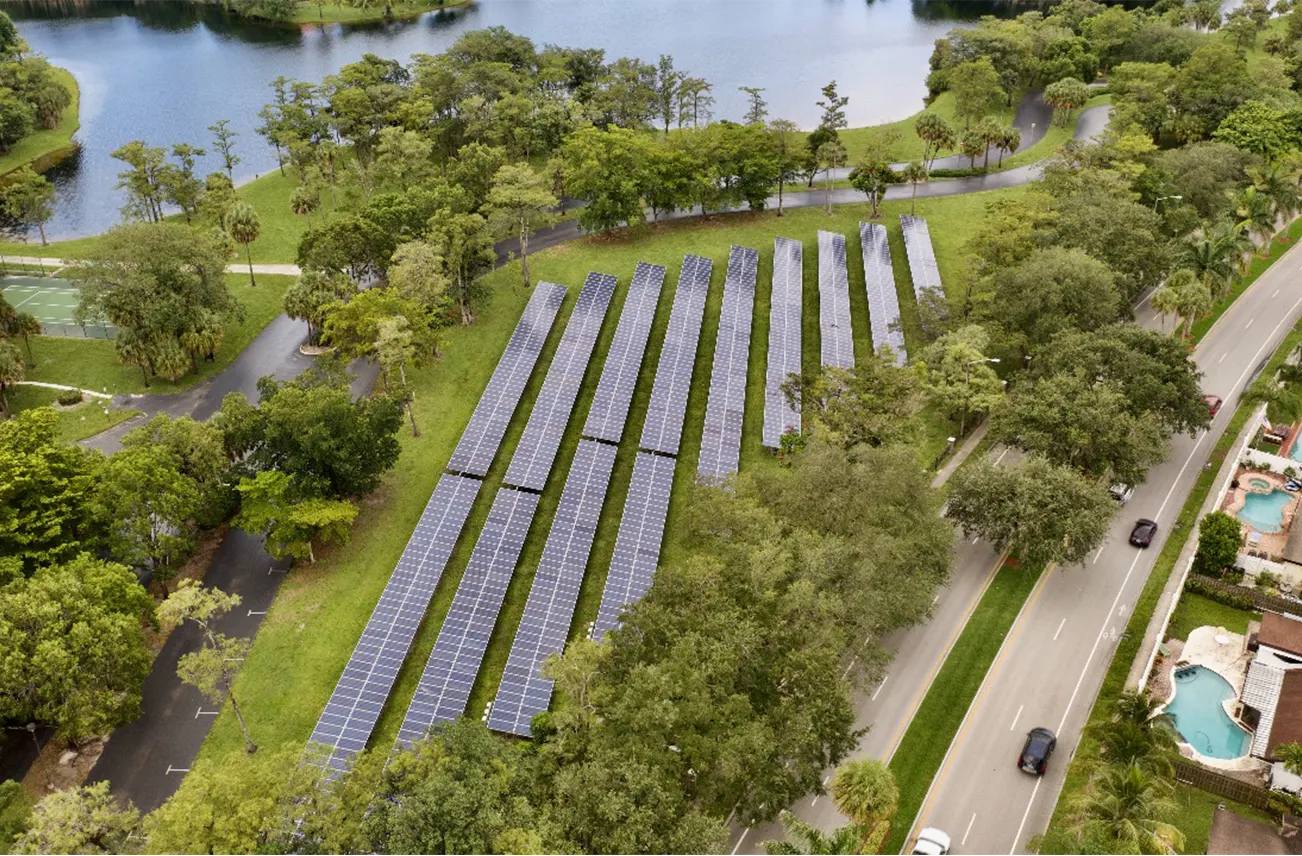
[{"x": 44, "y": 149}]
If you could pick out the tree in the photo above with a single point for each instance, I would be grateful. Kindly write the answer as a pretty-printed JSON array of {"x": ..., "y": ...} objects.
[
  {"x": 86, "y": 819},
  {"x": 959, "y": 379},
  {"x": 936, "y": 134},
  {"x": 1279, "y": 183},
  {"x": 353, "y": 327},
  {"x": 914, "y": 173},
  {"x": 865, "y": 791},
  {"x": 197, "y": 450},
  {"x": 1216, "y": 257},
  {"x": 972, "y": 144},
  {"x": 803, "y": 838},
  {"x": 1258, "y": 127},
  {"x": 1208, "y": 88},
  {"x": 1041, "y": 512},
  {"x": 12, "y": 371},
  {"x": 1219, "y": 538},
  {"x": 871, "y": 178},
  {"x": 831, "y": 155},
  {"x": 1291, "y": 755},
  {"x": 1054, "y": 290},
  {"x": 310, "y": 295},
  {"x": 1166, "y": 301},
  {"x": 143, "y": 182},
  {"x": 976, "y": 88},
  {"x": 419, "y": 273},
  {"x": 1256, "y": 215},
  {"x": 465, "y": 243},
  {"x": 607, "y": 169},
  {"x": 289, "y": 518},
  {"x": 757, "y": 109},
  {"x": 518, "y": 204},
  {"x": 75, "y": 656},
  {"x": 218, "y": 196},
  {"x": 991, "y": 131},
  {"x": 179, "y": 185},
  {"x": 666, "y": 88},
  {"x": 833, "y": 107},
  {"x": 28, "y": 198},
  {"x": 224, "y": 142},
  {"x": 786, "y": 148},
  {"x": 1009, "y": 141},
  {"x": 870, "y": 404},
  {"x": 243, "y": 225},
  {"x": 26, "y": 325},
  {"x": 1130, "y": 806},
  {"x": 1065, "y": 97},
  {"x": 212, "y": 668},
  {"x": 304, "y": 200},
  {"x": 394, "y": 349},
  {"x": 349, "y": 244}
]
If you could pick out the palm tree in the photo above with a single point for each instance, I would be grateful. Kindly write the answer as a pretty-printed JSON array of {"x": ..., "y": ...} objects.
[
  {"x": 805, "y": 839},
  {"x": 1166, "y": 301},
  {"x": 243, "y": 225},
  {"x": 865, "y": 792},
  {"x": 1256, "y": 214},
  {"x": 914, "y": 173},
  {"x": 1291, "y": 755},
  {"x": 1009, "y": 141},
  {"x": 1193, "y": 295},
  {"x": 1279, "y": 182},
  {"x": 303, "y": 201},
  {"x": 1132, "y": 805},
  {"x": 1215, "y": 257},
  {"x": 991, "y": 132},
  {"x": 25, "y": 324}
]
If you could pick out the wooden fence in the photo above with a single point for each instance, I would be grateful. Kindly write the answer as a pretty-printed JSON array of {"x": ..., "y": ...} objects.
[{"x": 1198, "y": 776}]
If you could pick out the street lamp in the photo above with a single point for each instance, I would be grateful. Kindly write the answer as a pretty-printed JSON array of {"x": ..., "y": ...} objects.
[
  {"x": 1160, "y": 198},
  {"x": 967, "y": 381}
]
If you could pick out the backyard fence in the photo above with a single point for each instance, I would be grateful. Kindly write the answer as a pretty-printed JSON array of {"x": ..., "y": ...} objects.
[
  {"x": 1198, "y": 776},
  {"x": 78, "y": 331},
  {"x": 1259, "y": 599}
]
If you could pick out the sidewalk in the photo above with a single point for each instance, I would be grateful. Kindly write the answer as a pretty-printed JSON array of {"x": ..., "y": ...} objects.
[
  {"x": 966, "y": 448},
  {"x": 270, "y": 269}
]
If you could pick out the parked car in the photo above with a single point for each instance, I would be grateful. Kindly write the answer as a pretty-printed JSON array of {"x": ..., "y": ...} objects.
[
  {"x": 1121, "y": 492},
  {"x": 931, "y": 842},
  {"x": 1142, "y": 534},
  {"x": 1213, "y": 404},
  {"x": 1040, "y": 743}
]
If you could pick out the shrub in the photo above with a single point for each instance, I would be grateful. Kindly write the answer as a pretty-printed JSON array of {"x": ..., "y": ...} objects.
[
  {"x": 1211, "y": 591},
  {"x": 69, "y": 397}
]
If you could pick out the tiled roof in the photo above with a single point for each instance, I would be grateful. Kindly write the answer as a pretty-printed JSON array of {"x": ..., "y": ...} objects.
[
  {"x": 1261, "y": 691},
  {"x": 1281, "y": 632}
]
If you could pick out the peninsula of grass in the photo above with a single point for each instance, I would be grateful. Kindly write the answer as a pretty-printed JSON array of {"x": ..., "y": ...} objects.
[
  {"x": 44, "y": 148},
  {"x": 319, "y": 614},
  {"x": 94, "y": 364},
  {"x": 336, "y": 12},
  {"x": 935, "y": 724},
  {"x": 75, "y": 423}
]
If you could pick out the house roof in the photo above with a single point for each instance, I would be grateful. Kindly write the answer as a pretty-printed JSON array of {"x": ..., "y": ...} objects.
[
  {"x": 1293, "y": 546},
  {"x": 1261, "y": 690},
  {"x": 1287, "y": 726},
  {"x": 1234, "y": 835},
  {"x": 1282, "y": 633}
]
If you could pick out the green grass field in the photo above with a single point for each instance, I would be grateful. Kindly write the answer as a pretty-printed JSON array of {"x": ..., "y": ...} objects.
[
  {"x": 93, "y": 363},
  {"x": 318, "y": 616},
  {"x": 1196, "y": 611},
  {"x": 335, "y": 12},
  {"x": 43, "y": 148},
  {"x": 75, "y": 423}
]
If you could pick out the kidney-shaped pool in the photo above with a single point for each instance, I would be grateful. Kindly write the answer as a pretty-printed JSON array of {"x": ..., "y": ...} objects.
[{"x": 1197, "y": 713}]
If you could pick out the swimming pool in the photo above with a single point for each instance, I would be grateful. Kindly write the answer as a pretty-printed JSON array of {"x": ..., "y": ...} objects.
[
  {"x": 1198, "y": 715},
  {"x": 1260, "y": 484},
  {"x": 1265, "y": 511},
  {"x": 1297, "y": 447}
]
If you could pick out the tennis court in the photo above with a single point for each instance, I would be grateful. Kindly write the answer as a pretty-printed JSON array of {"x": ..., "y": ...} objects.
[{"x": 52, "y": 302}]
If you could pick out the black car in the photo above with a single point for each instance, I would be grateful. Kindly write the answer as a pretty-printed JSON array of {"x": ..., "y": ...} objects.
[
  {"x": 1040, "y": 744},
  {"x": 1142, "y": 534}
]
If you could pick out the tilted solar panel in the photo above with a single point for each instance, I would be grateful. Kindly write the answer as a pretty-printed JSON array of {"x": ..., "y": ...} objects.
[
  {"x": 524, "y": 692},
  {"x": 726, "y": 407},
  {"x": 478, "y": 445},
  {"x": 879, "y": 282},
  {"x": 837, "y": 336},
  {"x": 614, "y": 392},
  {"x": 449, "y": 675},
  {"x": 663, "y": 428},
  {"x": 784, "y": 340},
  {"x": 921, "y": 254},
  {"x": 349, "y": 717},
  {"x": 534, "y": 455},
  {"x": 637, "y": 546}
]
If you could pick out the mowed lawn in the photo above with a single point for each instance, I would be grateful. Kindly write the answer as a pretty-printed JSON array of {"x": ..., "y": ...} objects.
[
  {"x": 321, "y": 610},
  {"x": 75, "y": 423},
  {"x": 94, "y": 364}
]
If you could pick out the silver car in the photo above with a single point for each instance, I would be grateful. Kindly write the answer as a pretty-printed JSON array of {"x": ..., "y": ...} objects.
[{"x": 931, "y": 842}]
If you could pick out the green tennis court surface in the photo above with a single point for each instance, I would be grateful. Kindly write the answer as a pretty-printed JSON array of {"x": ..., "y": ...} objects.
[{"x": 52, "y": 302}]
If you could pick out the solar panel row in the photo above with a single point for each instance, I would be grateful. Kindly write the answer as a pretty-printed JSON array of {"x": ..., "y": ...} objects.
[
  {"x": 349, "y": 717},
  {"x": 614, "y": 392},
  {"x": 836, "y": 334},
  {"x": 449, "y": 675},
  {"x": 663, "y": 429},
  {"x": 478, "y": 445},
  {"x": 536, "y": 451},
  {"x": 921, "y": 255},
  {"x": 545, "y": 625},
  {"x": 726, "y": 407},
  {"x": 637, "y": 546},
  {"x": 879, "y": 281},
  {"x": 784, "y": 340}
]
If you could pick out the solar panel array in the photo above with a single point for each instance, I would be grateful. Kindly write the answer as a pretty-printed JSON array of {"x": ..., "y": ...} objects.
[
  {"x": 478, "y": 445},
  {"x": 836, "y": 333},
  {"x": 922, "y": 257},
  {"x": 536, "y": 451},
  {"x": 614, "y": 392},
  {"x": 524, "y": 692},
  {"x": 449, "y": 675},
  {"x": 879, "y": 281},
  {"x": 726, "y": 407},
  {"x": 663, "y": 429},
  {"x": 784, "y": 340},
  {"x": 637, "y": 546},
  {"x": 354, "y": 707}
]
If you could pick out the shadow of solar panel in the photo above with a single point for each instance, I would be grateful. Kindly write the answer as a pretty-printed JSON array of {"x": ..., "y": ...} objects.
[
  {"x": 784, "y": 340},
  {"x": 663, "y": 429},
  {"x": 545, "y": 624},
  {"x": 721, "y": 431},
  {"x": 449, "y": 675},
  {"x": 614, "y": 392},
  {"x": 478, "y": 444},
  {"x": 534, "y": 455},
  {"x": 349, "y": 717},
  {"x": 637, "y": 546},
  {"x": 836, "y": 339},
  {"x": 920, "y": 253},
  {"x": 879, "y": 282}
]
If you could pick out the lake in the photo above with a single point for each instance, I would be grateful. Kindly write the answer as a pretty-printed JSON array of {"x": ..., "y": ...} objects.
[{"x": 163, "y": 71}]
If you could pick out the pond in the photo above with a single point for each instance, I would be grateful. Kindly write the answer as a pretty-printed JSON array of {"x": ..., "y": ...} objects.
[{"x": 164, "y": 72}]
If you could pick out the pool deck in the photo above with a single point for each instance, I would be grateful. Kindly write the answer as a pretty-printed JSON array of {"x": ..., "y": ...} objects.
[
  {"x": 1271, "y": 543},
  {"x": 1229, "y": 659}
]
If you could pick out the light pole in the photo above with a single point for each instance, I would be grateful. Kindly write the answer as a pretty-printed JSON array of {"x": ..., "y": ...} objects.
[
  {"x": 1160, "y": 198},
  {"x": 967, "y": 382}
]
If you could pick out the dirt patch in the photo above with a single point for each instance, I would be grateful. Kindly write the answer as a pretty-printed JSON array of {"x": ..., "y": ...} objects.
[
  {"x": 60, "y": 766},
  {"x": 1159, "y": 683}
]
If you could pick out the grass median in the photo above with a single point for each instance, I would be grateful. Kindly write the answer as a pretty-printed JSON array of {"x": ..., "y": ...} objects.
[{"x": 935, "y": 724}]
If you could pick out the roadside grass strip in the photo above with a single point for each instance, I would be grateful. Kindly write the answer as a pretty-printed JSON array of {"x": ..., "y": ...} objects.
[
  {"x": 1279, "y": 245},
  {"x": 1114, "y": 682},
  {"x": 926, "y": 743}
]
